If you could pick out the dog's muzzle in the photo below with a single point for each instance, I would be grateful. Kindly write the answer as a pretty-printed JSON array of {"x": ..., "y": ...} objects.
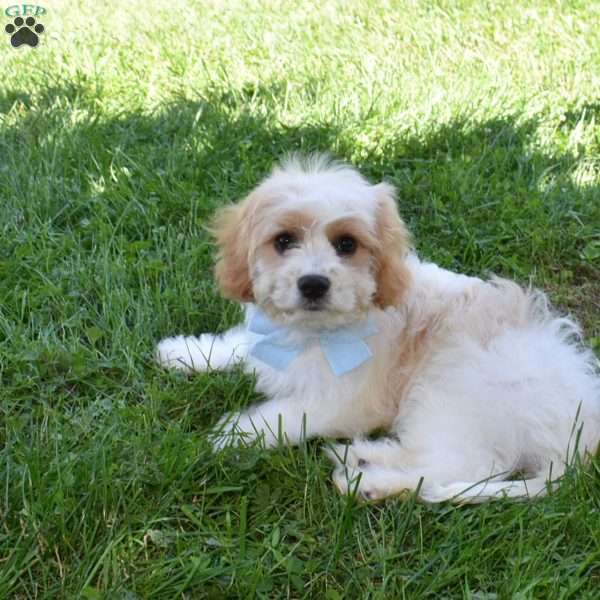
[{"x": 313, "y": 287}]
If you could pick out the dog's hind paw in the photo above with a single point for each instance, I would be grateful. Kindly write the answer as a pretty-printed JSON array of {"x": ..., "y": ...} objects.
[
  {"x": 345, "y": 455},
  {"x": 355, "y": 481}
]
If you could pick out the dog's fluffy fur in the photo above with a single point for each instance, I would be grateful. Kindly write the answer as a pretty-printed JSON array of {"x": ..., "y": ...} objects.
[{"x": 475, "y": 381}]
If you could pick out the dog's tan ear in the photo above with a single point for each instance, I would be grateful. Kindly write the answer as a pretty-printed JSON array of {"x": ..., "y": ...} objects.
[
  {"x": 231, "y": 229},
  {"x": 393, "y": 277}
]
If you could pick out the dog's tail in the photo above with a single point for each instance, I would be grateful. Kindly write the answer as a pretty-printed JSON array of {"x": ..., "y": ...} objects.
[{"x": 474, "y": 493}]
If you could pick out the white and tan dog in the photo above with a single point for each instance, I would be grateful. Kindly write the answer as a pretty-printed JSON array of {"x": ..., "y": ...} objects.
[{"x": 349, "y": 332}]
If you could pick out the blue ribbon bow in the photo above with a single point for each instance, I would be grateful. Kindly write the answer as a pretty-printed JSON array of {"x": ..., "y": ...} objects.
[{"x": 344, "y": 348}]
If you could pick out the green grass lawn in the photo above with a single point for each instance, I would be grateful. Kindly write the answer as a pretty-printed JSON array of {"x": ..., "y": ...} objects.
[{"x": 120, "y": 135}]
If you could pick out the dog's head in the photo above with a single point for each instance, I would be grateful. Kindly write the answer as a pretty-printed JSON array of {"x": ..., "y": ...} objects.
[{"x": 314, "y": 244}]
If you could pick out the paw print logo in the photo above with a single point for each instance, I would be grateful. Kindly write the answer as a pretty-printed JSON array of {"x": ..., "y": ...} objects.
[{"x": 24, "y": 32}]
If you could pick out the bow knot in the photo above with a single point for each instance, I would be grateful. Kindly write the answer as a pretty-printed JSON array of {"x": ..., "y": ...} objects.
[{"x": 344, "y": 348}]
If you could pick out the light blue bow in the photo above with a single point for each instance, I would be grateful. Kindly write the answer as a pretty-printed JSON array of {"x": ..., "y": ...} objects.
[{"x": 344, "y": 348}]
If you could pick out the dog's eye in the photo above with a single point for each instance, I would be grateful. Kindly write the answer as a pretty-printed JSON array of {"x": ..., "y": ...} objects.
[
  {"x": 345, "y": 245},
  {"x": 284, "y": 241}
]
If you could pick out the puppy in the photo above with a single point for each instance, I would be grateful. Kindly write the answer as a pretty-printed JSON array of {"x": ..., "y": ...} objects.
[{"x": 482, "y": 390}]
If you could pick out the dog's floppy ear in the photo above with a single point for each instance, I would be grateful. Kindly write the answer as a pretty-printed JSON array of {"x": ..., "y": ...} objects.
[
  {"x": 393, "y": 277},
  {"x": 231, "y": 229}
]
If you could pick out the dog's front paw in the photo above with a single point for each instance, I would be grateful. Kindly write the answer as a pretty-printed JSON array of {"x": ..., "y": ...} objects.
[
  {"x": 239, "y": 429},
  {"x": 232, "y": 429},
  {"x": 224, "y": 432},
  {"x": 183, "y": 353}
]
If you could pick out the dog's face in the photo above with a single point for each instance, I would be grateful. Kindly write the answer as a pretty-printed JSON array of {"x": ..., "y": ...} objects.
[{"x": 313, "y": 245}]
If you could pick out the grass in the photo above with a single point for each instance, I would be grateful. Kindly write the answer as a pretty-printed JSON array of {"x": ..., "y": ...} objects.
[{"x": 119, "y": 136}]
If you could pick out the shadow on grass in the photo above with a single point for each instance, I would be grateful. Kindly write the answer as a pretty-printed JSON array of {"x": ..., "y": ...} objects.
[{"x": 479, "y": 196}]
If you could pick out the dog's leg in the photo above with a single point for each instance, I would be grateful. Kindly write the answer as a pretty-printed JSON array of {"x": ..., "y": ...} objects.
[
  {"x": 382, "y": 468},
  {"x": 209, "y": 351},
  {"x": 272, "y": 422},
  {"x": 373, "y": 482}
]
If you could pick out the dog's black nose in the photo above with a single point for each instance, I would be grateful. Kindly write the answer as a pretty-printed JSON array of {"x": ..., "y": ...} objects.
[{"x": 313, "y": 287}]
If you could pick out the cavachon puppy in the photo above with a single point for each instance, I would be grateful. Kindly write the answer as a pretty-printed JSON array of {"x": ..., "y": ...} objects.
[{"x": 483, "y": 390}]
